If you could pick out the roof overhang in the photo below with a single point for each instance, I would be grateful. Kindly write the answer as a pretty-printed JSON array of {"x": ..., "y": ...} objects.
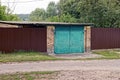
[{"x": 44, "y": 23}]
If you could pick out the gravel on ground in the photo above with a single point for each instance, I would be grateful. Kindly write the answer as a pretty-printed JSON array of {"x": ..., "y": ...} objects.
[
  {"x": 69, "y": 70},
  {"x": 60, "y": 65},
  {"x": 88, "y": 75}
]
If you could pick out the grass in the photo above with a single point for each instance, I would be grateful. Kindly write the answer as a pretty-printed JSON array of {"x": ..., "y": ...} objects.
[
  {"x": 25, "y": 56},
  {"x": 29, "y": 76},
  {"x": 108, "y": 54},
  {"x": 36, "y": 56}
]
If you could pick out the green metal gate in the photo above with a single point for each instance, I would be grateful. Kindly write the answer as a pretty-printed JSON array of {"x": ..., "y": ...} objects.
[{"x": 69, "y": 39}]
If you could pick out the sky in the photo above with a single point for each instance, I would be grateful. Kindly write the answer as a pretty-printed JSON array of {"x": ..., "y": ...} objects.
[{"x": 26, "y": 6}]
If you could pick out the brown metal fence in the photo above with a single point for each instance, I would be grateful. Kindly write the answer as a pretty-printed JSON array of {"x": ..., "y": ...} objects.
[
  {"x": 105, "y": 38},
  {"x": 28, "y": 39}
]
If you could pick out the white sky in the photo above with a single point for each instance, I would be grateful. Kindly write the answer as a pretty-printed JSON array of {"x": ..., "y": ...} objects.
[{"x": 26, "y": 6}]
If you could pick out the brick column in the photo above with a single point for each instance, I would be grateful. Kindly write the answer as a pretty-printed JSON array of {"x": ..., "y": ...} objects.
[
  {"x": 87, "y": 38},
  {"x": 50, "y": 40}
]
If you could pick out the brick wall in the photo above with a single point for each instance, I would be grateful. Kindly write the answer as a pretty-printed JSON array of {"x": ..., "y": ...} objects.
[{"x": 50, "y": 39}]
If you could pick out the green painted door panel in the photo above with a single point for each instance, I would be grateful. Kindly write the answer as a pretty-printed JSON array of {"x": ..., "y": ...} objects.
[
  {"x": 61, "y": 44},
  {"x": 77, "y": 39},
  {"x": 69, "y": 39}
]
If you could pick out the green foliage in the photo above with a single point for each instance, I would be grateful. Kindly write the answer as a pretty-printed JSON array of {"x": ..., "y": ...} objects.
[
  {"x": 3, "y": 13},
  {"x": 42, "y": 15},
  {"x": 12, "y": 17},
  {"x": 103, "y": 13},
  {"x": 37, "y": 15},
  {"x": 51, "y": 9},
  {"x": 5, "y": 16},
  {"x": 62, "y": 18}
]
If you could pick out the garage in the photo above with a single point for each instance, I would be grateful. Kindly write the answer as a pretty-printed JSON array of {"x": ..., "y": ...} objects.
[
  {"x": 49, "y": 37},
  {"x": 69, "y": 39}
]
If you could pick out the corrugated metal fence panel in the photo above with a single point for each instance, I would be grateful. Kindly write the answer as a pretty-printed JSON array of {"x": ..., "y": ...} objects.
[
  {"x": 105, "y": 38},
  {"x": 28, "y": 39}
]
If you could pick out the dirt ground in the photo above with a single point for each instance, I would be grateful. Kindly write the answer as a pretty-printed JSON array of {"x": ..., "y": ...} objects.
[
  {"x": 81, "y": 75},
  {"x": 88, "y": 75},
  {"x": 69, "y": 70},
  {"x": 67, "y": 75}
]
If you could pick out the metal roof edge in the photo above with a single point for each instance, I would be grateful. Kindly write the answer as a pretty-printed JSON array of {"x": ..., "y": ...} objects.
[{"x": 43, "y": 23}]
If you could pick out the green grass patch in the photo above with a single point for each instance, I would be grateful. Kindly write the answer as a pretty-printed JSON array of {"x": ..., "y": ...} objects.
[
  {"x": 25, "y": 56},
  {"x": 36, "y": 56},
  {"x": 108, "y": 54},
  {"x": 49, "y": 75}
]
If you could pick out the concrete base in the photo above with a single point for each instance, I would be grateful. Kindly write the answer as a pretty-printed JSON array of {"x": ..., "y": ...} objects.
[{"x": 76, "y": 55}]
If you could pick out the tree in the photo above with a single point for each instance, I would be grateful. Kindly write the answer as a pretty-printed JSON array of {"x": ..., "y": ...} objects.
[
  {"x": 38, "y": 15},
  {"x": 2, "y": 13},
  {"x": 62, "y": 18},
  {"x": 51, "y": 9},
  {"x": 7, "y": 16},
  {"x": 104, "y": 13},
  {"x": 42, "y": 15}
]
